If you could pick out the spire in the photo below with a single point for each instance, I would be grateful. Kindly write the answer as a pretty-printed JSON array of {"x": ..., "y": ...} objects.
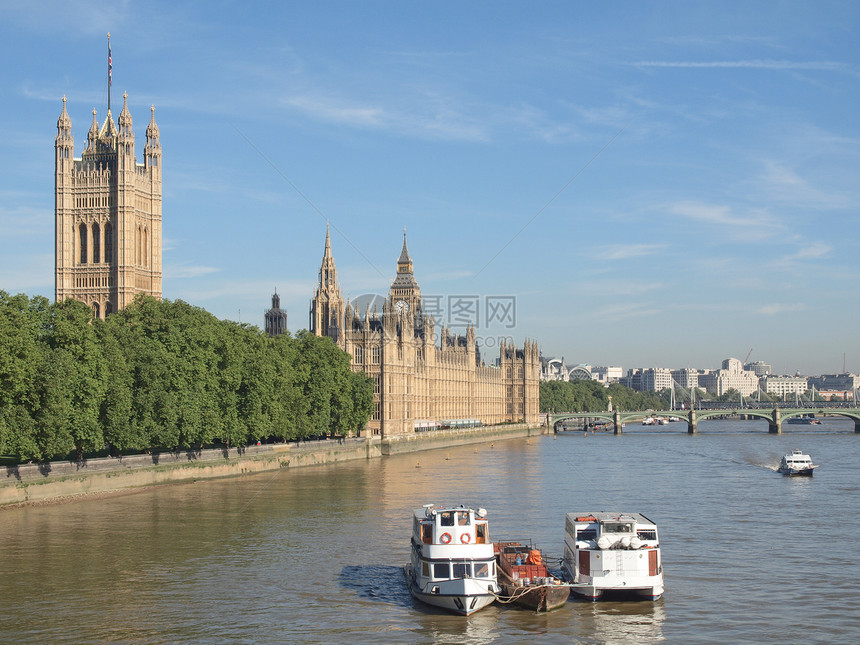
[
  {"x": 64, "y": 123},
  {"x": 404, "y": 254},
  {"x": 64, "y": 129},
  {"x": 125, "y": 121},
  {"x": 328, "y": 271},
  {"x": 152, "y": 128},
  {"x": 93, "y": 134}
]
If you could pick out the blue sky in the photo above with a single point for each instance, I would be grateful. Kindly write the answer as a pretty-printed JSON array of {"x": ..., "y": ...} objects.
[{"x": 654, "y": 183}]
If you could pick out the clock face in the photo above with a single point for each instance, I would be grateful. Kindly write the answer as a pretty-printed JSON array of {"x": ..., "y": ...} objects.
[{"x": 401, "y": 306}]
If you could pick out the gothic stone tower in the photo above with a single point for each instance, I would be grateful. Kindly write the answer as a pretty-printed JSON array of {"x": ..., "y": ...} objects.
[
  {"x": 107, "y": 210},
  {"x": 327, "y": 305}
]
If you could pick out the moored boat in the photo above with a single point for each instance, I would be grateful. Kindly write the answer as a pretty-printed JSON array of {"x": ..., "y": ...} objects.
[
  {"x": 797, "y": 463},
  {"x": 612, "y": 553},
  {"x": 525, "y": 580},
  {"x": 452, "y": 563}
]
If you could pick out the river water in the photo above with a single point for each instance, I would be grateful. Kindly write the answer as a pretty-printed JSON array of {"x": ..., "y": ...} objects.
[{"x": 314, "y": 555}]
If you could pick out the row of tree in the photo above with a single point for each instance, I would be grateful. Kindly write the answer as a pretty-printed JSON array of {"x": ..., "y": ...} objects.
[
  {"x": 163, "y": 375},
  {"x": 592, "y": 396}
]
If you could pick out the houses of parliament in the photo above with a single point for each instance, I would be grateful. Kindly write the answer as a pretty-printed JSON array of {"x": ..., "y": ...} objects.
[
  {"x": 418, "y": 384},
  {"x": 108, "y": 249},
  {"x": 107, "y": 213}
]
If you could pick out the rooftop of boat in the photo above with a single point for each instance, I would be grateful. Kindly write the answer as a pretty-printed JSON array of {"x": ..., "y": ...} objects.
[{"x": 609, "y": 516}]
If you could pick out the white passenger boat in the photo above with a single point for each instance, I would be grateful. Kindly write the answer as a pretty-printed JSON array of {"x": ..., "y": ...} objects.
[
  {"x": 610, "y": 552},
  {"x": 452, "y": 564},
  {"x": 796, "y": 464}
]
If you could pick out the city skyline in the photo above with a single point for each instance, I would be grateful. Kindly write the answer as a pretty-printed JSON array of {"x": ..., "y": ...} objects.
[{"x": 665, "y": 184}]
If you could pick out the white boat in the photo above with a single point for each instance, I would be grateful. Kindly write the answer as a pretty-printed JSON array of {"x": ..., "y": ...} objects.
[
  {"x": 453, "y": 565},
  {"x": 608, "y": 553},
  {"x": 796, "y": 464}
]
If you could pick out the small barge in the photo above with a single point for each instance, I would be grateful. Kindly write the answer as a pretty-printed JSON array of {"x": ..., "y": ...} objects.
[{"x": 524, "y": 579}]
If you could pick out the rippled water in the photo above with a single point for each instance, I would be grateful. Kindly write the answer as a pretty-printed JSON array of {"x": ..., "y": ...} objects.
[{"x": 315, "y": 554}]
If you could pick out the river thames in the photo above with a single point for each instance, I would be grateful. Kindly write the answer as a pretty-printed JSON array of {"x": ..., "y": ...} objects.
[{"x": 315, "y": 555}]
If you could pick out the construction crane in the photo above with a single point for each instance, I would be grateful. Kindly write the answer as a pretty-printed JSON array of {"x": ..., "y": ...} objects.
[{"x": 748, "y": 356}]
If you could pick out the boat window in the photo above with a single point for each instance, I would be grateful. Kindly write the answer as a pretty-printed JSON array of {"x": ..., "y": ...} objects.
[
  {"x": 482, "y": 569},
  {"x": 463, "y": 518},
  {"x": 586, "y": 534},
  {"x": 617, "y": 527},
  {"x": 462, "y": 570},
  {"x": 447, "y": 519},
  {"x": 425, "y": 569},
  {"x": 481, "y": 532},
  {"x": 646, "y": 535},
  {"x": 441, "y": 570},
  {"x": 427, "y": 533}
]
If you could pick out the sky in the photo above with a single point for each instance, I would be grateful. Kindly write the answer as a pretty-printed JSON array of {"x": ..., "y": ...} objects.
[{"x": 635, "y": 184}]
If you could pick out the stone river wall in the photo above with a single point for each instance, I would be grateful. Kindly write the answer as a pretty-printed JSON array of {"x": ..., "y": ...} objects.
[{"x": 66, "y": 480}]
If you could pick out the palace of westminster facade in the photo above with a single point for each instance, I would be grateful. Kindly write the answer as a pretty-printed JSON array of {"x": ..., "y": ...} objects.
[{"x": 108, "y": 249}]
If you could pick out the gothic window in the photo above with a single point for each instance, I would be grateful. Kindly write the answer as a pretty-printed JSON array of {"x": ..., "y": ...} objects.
[
  {"x": 96, "y": 309},
  {"x": 519, "y": 372},
  {"x": 108, "y": 243},
  {"x": 145, "y": 247},
  {"x": 375, "y": 354},
  {"x": 359, "y": 355},
  {"x": 83, "y": 246},
  {"x": 97, "y": 244}
]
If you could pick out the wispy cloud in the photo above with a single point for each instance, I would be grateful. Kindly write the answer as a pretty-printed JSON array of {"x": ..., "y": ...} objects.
[
  {"x": 811, "y": 251},
  {"x": 779, "y": 308},
  {"x": 748, "y": 64},
  {"x": 627, "y": 251},
  {"x": 427, "y": 115},
  {"x": 753, "y": 224},
  {"x": 186, "y": 271},
  {"x": 788, "y": 186}
]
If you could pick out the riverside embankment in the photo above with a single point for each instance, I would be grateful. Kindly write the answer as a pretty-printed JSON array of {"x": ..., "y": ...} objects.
[{"x": 67, "y": 480}]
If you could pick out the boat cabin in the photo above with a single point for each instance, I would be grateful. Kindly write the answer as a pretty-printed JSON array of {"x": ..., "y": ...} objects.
[{"x": 459, "y": 525}]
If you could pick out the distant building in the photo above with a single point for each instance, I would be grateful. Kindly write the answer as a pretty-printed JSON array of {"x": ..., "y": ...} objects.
[
  {"x": 782, "y": 386},
  {"x": 686, "y": 378},
  {"x": 276, "y": 318},
  {"x": 553, "y": 369},
  {"x": 649, "y": 379},
  {"x": 759, "y": 368},
  {"x": 835, "y": 382},
  {"x": 732, "y": 376},
  {"x": 607, "y": 375}
]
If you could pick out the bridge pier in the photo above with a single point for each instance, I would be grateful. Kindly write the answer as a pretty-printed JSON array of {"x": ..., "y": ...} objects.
[
  {"x": 857, "y": 426},
  {"x": 616, "y": 419},
  {"x": 692, "y": 427},
  {"x": 775, "y": 426}
]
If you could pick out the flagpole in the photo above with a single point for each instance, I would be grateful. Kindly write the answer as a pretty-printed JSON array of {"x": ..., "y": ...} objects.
[{"x": 109, "y": 71}]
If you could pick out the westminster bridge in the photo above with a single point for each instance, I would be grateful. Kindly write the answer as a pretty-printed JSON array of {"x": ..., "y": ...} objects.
[{"x": 775, "y": 416}]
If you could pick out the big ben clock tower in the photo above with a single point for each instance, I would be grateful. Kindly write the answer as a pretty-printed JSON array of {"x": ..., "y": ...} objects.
[{"x": 405, "y": 295}]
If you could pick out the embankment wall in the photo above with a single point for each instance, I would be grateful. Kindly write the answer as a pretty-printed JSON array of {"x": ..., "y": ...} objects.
[{"x": 62, "y": 481}]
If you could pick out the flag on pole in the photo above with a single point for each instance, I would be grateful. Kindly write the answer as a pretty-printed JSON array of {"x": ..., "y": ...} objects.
[{"x": 110, "y": 63}]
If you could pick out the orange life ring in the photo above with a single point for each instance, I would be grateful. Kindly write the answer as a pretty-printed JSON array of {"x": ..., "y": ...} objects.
[
  {"x": 445, "y": 538},
  {"x": 465, "y": 538}
]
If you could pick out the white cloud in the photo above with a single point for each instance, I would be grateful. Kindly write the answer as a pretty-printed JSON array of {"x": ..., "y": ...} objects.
[
  {"x": 779, "y": 308},
  {"x": 627, "y": 251},
  {"x": 752, "y": 224},
  {"x": 176, "y": 272}
]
